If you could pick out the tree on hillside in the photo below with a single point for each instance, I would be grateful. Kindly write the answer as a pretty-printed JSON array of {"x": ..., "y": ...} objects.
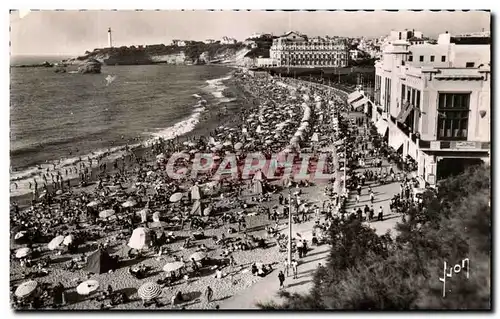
[{"x": 367, "y": 272}]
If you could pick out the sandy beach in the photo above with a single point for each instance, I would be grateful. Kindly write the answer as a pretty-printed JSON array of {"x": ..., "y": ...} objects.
[{"x": 240, "y": 215}]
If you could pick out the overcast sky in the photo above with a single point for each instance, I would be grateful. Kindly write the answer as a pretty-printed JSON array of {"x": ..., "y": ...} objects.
[{"x": 73, "y": 32}]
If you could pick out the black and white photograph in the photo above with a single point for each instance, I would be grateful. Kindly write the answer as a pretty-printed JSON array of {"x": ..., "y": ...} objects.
[{"x": 167, "y": 160}]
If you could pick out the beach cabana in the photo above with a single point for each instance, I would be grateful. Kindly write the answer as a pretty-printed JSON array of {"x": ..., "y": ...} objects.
[
  {"x": 196, "y": 209},
  {"x": 140, "y": 239},
  {"x": 257, "y": 187},
  {"x": 195, "y": 192},
  {"x": 100, "y": 262}
]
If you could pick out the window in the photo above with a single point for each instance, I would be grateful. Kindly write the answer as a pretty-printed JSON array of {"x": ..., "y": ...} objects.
[
  {"x": 403, "y": 94},
  {"x": 421, "y": 58},
  {"x": 453, "y": 116},
  {"x": 432, "y": 58},
  {"x": 469, "y": 64},
  {"x": 410, "y": 58},
  {"x": 443, "y": 58}
]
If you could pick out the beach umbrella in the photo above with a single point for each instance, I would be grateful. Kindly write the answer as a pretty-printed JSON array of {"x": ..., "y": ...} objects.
[
  {"x": 173, "y": 266},
  {"x": 198, "y": 256},
  {"x": 315, "y": 137},
  {"x": 56, "y": 242},
  {"x": 196, "y": 209},
  {"x": 227, "y": 143},
  {"x": 156, "y": 216},
  {"x": 158, "y": 224},
  {"x": 129, "y": 203},
  {"x": 149, "y": 290},
  {"x": 26, "y": 289},
  {"x": 218, "y": 147},
  {"x": 59, "y": 192},
  {"x": 106, "y": 213},
  {"x": 191, "y": 144},
  {"x": 195, "y": 192},
  {"x": 20, "y": 235},
  {"x": 93, "y": 203},
  {"x": 257, "y": 187},
  {"x": 23, "y": 252},
  {"x": 238, "y": 146},
  {"x": 176, "y": 197},
  {"x": 87, "y": 287},
  {"x": 68, "y": 240},
  {"x": 144, "y": 214}
]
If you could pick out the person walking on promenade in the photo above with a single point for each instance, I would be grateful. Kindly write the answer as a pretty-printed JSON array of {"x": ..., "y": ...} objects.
[
  {"x": 380, "y": 214},
  {"x": 209, "y": 293},
  {"x": 295, "y": 265},
  {"x": 281, "y": 278},
  {"x": 286, "y": 267},
  {"x": 372, "y": 197}
]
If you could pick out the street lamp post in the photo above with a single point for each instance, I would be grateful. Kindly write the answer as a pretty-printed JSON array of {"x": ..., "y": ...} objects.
[{"x": 289, "y": 229}]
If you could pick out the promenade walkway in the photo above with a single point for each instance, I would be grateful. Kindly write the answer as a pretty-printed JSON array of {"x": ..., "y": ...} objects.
[{"x": 266, "y": 289}]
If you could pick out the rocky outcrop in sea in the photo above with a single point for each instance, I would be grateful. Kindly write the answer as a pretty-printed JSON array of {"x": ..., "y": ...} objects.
[{"x": 91, "y": 66}]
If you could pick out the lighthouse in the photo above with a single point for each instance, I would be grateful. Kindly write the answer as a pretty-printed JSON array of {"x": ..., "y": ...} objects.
[{"x": 110, "y": 42}]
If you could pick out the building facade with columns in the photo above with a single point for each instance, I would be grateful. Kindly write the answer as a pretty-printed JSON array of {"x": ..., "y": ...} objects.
[
  {"x": 296, "y": 50},
  {"x": 432, "y": 103}
]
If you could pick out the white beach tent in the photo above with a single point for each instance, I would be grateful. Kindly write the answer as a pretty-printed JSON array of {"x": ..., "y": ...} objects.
[{"x": 140, "y": 238}]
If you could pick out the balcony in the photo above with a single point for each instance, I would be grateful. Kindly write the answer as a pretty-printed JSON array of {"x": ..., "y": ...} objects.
[{"x": 454, "y": 145}]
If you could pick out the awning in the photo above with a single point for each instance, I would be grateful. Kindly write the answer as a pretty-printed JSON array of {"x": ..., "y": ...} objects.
[
  {"x": 403, "y": 114},
  {"x": 354, "y": 96},
  {"x": 396, "y": 141},
  {"x": 359, "y": 103},
  {"x": 382, "y": 126},
  {"x": 459, "y": 77}
]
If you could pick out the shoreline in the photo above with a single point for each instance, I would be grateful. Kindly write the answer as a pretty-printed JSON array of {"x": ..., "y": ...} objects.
[{"x": 211, "y": 118}]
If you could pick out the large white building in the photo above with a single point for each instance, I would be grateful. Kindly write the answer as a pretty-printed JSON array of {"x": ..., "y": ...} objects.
[
  {"x": 432, "y": 103},
  {"x": 296, "y": 50}
]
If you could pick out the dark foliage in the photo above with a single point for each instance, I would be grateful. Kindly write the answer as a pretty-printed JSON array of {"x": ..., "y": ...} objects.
[{"x": 368, "y": 272}]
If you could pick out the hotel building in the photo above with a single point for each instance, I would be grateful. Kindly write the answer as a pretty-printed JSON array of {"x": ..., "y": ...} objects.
[
  {"x": 432, "y": 102},
  {"x": 296, "y": 50}
]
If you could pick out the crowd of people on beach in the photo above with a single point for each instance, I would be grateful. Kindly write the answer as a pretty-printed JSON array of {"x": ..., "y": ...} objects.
[{"x": 138, "y": 215}]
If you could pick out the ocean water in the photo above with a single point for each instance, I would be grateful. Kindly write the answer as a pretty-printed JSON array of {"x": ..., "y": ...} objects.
[{"x": 59, "y": 117}]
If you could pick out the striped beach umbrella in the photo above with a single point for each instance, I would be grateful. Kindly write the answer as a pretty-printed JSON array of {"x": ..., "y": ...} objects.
[
  {"x": 149, "y": 290},
  {"x": 26, "y": 289}
]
